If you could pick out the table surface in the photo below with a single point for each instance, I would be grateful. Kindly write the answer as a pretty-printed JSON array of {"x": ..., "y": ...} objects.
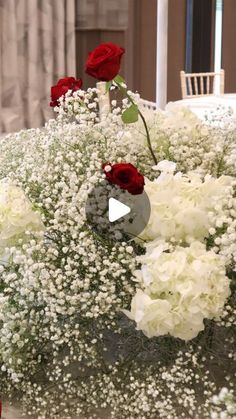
[
  {"x": 227, "y": 97},
  {"x": 200, "y": 105}
]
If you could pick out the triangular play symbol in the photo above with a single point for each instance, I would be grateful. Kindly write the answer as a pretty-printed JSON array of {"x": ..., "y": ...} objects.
[{"x": 116, "y": 210}]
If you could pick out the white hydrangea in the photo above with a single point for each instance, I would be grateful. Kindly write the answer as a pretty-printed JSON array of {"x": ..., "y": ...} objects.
[
  {"x": 165, "y": 166},
  {"x": 177, "y": 117},
  {"x": 180, "y": 205},
  {"x": 17, "y": 216},
  {"x": 179, "y": 290}
]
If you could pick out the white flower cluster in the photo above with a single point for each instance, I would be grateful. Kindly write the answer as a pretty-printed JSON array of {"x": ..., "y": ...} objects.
[
  {"x": 141, "y": 391},
  {"x": 223, "y": 226},
  {"x": 169, "y": 393},
  {"x": 80, "y": 105},
  {"x": 181, "y": 286},
  {"x": 182, "y": 206},
  {"x": 177, "y": 134},
  {"x": 57, "y": 292},
  {"x": 177, "y": 118},
  {"x": 17, "y": 217},
  {"x": 179, "y": 290},
  {"x": 224, "y": 405}
]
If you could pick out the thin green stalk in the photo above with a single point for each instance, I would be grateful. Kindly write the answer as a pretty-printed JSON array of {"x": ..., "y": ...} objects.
[
  {"x": 144, "y": 122},
  {"x": 148, "y": 137}
]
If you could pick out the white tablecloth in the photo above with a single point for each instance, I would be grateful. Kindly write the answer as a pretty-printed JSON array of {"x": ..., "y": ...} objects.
[{"x": 205, "y": 104}]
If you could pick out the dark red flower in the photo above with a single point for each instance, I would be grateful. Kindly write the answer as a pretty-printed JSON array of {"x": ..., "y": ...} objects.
[
  {"x": 126, "y": 176},
  {"x": 62, "y": 87},
  {"x": 103, "y": 62}
]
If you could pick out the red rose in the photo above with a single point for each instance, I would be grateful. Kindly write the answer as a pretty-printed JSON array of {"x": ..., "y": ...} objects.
[
  {"x": 126, "y": 176},
  {"x": 62, "y": 87},
  {"x": 103, "y": 62}
]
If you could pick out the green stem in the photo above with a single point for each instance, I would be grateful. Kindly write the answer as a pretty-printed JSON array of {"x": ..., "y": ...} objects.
[
  {"x": 144, "y": 122},
  {"x": 148, "y": 137}
]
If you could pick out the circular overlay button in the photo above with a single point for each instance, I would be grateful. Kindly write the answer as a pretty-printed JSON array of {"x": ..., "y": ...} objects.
[{"x": 116, "y": 214}]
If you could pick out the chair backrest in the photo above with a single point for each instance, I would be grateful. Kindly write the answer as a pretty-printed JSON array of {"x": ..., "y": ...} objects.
[
  {"x": 201, "y": 84},
  {"x": 147, "y": 104}
]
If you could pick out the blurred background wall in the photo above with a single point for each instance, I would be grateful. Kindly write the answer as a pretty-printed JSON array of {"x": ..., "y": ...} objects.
[
  {"x": 37, "y": 46},
  {"x": 43, "y": 40}
]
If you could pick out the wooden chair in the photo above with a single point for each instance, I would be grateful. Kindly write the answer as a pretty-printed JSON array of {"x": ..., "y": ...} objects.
[
  {"x": 201, "y": 84},
  {"x": 147, "y": 104}
]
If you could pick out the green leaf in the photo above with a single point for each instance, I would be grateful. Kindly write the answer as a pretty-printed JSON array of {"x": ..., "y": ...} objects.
[
  {"x": 108, "y": 86},
  {"x": 118, "y": 79},
  {"x": 130, "y": 115}
]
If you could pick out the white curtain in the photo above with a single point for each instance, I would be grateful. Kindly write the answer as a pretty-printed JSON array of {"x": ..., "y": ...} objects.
[{"x": 37, "y": 46}]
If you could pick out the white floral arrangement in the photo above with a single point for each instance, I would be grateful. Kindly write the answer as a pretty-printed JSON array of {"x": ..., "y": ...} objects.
[
  {"x": 17, "y": 217},
  {"x": 224, "y": 405},
  {"x": 139, "y": 328}
]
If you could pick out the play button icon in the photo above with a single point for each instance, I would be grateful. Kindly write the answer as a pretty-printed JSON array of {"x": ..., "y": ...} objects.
[
  {"x": 115, "y": 214},
  {"x": 117, "y": 210}
]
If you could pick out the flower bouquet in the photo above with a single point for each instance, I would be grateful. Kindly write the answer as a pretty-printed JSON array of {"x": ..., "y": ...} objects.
[{"x": 141, "y": 326}]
